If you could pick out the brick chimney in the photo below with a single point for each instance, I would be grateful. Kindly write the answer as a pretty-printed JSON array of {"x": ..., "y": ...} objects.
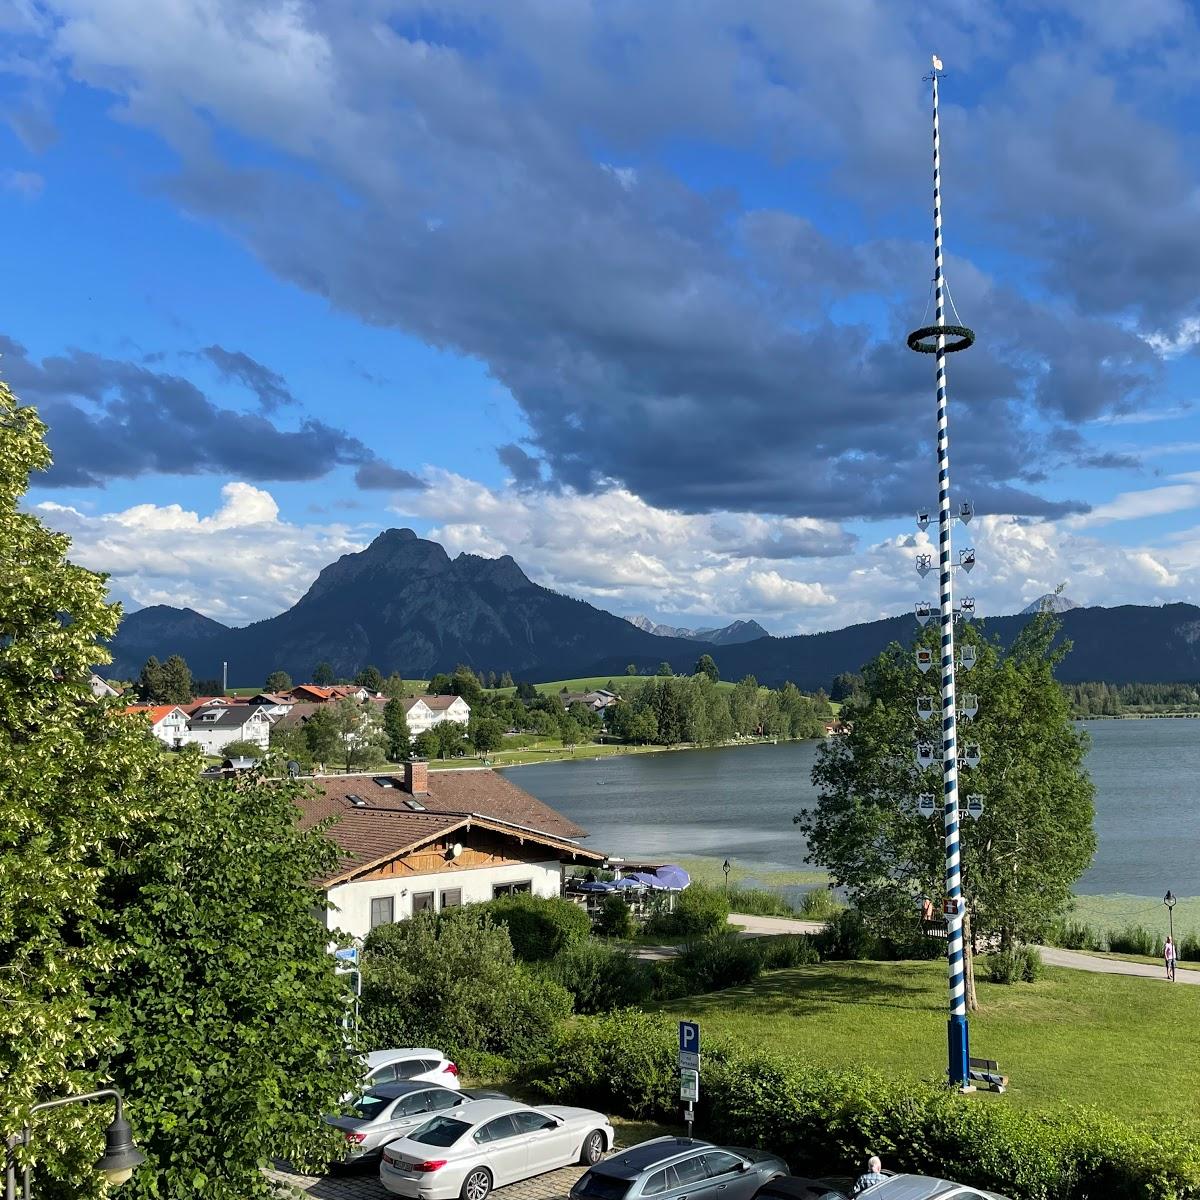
[{"x": 416, "y": 777}]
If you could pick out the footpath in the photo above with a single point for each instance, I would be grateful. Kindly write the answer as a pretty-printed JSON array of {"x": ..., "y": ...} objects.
[
  {"x": 748, "y": 926},
  {"x": 1079, "y": 960}
]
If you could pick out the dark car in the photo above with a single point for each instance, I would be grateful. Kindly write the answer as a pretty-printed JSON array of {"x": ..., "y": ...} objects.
[
  {"x": 797, "y": 1187},
  {"x": 669, "y": 1168}
]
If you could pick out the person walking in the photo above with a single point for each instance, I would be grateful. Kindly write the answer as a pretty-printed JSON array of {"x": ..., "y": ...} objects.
[
  {"x": 874, "y": 1174},
  {"x": 1169, "y": 958}
]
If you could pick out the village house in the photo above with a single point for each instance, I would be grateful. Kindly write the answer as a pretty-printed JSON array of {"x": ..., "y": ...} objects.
[
  {"x": 213, "y": 727},
  {"x": 424, "y": 712},
  {"x": 313, "y": 694},
  {"x": 168, "y": 722},
  {"x": 426, "y": 841},
  {"x": 600, "y": 700},
  {"x": 274, "y": 704},
  {"x": 101, "y": 688}
]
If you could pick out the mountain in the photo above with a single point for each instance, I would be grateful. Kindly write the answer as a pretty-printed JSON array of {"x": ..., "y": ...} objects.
[
  {"x": 1050, "y": 602},
  {"x": 404, "y": 605},
  {"x": 727, "y": 635}
]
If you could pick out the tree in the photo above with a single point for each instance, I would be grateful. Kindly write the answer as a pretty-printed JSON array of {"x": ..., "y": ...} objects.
[
  {"x": 631, "y": 669},
  {"x": 743, "y": 706},
  {"x": 278, "y": 681},
  {"x": 706, "y": 666},
  {"x": 150, "y": 682},
  {"x": 322, "y": 674},
  {"x": 290, "y": 744},
  {"x": 395, "y": 729},
  {"x": 486, "y": 734},
  {"x": 570, "y": 731},
  {"x": 643, "y": 728},
  {"x": 1035, "y": 837},
  {"x": 441, "y": 685},
  {"x": 526, "y": 691},
  {"x": 451, "y": 739},
  {"x": 321, "y": 734},
  {"x": 465, "y": 683},
  {"x": 132, "y": 894},
  {"x": 176, "y": 681},
  {"x": 845, "y": 686},
  {"x": 371, "y": 678},
  {"x": 665, "y": 669},
  {"x": 208, "y": 687},
  {"x": 426, "y": 744},
  {"x": 506, "y": 680},
  {"x": 359, "y": 731},
  {"x": 394, "y": 687},
  {"x": 243, "y": 749}
]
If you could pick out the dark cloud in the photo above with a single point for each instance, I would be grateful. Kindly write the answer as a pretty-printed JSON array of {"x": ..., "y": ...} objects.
[
  {"x": 658, "y": 334},
  {"x": 1112, "y": 461},
  {"x": 270, "y": 387},
  {"x": 524, "y": 468},
  {"x": 378, "y": 476},
  {"x": 114, "y": 419}
]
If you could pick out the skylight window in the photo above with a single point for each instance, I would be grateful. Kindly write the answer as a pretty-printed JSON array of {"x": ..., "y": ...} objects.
[{"x": 415, "y": 805}]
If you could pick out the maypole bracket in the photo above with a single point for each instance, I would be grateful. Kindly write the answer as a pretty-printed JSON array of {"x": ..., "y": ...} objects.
[{"x": 917, "y": 339}]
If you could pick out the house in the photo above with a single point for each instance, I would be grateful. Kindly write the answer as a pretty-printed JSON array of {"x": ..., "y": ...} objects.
[
  {"x": 274, "y": 704},
  {"x": 168, "y": 722},
  {"x": 599, "y": 700},
  {"x": 418, "y": 715},
  {"x": 311, "y": 693},
  {"x": 198, "y": 702},
  {"x": 425, "y": 842},
  {"x": 101, "y": 688},
  {"x": 213, "y": 727}
]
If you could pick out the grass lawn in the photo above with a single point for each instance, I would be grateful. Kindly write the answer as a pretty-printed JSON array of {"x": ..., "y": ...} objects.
[
  {"x": 1130, "y": 1046},
  {"x": 589, "y": 683},
  {"x": 708, "y": 870}
]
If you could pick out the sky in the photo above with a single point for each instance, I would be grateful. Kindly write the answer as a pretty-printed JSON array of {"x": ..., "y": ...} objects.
[{"x": 618, "y": 289}]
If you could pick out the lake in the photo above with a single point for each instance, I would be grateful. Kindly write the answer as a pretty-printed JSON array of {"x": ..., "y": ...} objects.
[{"x": 738, "y": 803}]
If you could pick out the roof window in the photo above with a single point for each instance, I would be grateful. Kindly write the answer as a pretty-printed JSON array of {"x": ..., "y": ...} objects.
[
  {"x": 385, "y": 781},
  {"x": 415, "y": 805},
  {"x": 358, "y": 802}
]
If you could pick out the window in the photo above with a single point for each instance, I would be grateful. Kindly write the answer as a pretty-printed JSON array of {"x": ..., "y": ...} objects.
[
  {"x": 384, "y": 1074},
  {"x": 659, "y": 1182},
  {"x": 410, "y": 1068},
  {"x": 383, "y": 910},
  {"x": 422, "y": 902},
  {"x": 512, "y": 889},
  {"x": 440, "y": 1098},
  {"x": 452, "y": 898},
  {"x": 409, "y": 1106},
  {"x": 719, "y": 1162},
  {"x": 440, "y": 1131},
  {"x": 532, "y": 1122},
  {"x": 690, "y": 1171},
  {"x": 598, "y": 1186},
  {"x": 497, "y": 1130},
  {"x": 369, "y": 1106}
]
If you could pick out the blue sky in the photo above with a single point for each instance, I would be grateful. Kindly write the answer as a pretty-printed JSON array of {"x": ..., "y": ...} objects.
[{"x": 620, "y": 292}]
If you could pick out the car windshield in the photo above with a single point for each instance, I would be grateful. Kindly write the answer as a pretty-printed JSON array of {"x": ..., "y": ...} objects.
[
  {"x": 369, "y": 1106},
  {"x": 602, "y": 1187},
  {"x": 441, "y": 1131}
]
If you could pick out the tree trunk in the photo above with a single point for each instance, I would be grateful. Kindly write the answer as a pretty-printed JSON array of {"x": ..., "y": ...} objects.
[{"x": 969, "y": 963}]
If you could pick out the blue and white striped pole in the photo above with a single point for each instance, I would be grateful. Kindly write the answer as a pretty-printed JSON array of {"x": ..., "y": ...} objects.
[{"x": 954, "y": 921}]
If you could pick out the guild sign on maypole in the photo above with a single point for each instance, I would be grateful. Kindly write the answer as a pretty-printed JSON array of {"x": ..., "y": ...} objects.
[{"x": 942, "y": 339}]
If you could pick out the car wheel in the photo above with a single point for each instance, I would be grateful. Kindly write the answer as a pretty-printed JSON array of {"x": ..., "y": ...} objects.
[
  {"x": 476, "y": 1185},
  {"x": 593, "y": 1148}
]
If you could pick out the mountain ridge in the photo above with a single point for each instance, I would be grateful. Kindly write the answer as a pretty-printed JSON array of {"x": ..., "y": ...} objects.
[{"x": 725, "y": 635}]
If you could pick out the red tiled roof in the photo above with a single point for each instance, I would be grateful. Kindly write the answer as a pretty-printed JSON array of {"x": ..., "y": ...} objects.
[{"x": 156, "y": 712}]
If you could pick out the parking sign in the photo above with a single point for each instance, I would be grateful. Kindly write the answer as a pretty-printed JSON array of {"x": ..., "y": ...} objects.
[{"x": 689, "y": 1046}]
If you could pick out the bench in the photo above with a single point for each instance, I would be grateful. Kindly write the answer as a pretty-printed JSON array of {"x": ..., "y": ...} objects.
[{"x": 987, "y": 1072}]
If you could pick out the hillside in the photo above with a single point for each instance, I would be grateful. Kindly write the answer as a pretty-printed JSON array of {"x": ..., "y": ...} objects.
[{"x": 406, "y": 606}]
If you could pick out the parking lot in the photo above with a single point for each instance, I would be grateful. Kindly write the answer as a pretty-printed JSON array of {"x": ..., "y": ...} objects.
[{"x": 365, "y": 1185}]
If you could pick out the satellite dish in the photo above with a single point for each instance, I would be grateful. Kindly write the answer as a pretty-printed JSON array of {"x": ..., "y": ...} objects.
[
  {"x": 456, "y": 850},
  {"x": 293, "y": 769},
  {"x": 937, "y": 63}
]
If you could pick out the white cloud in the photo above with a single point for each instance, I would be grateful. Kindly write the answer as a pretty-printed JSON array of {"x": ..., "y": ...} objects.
[
  {"x": 1147, "y": 502},
  {"x": 239, "y": 564},
  {"x": 1172, "y": 345}
]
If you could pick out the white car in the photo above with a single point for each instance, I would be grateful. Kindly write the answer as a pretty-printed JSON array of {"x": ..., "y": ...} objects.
[
  {"x": 413, "y": 1065},
  {"x": 489, "y": 1143}
]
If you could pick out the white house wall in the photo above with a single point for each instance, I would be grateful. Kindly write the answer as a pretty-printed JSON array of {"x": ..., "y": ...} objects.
[
  {"x": 352, "y": 901},
  {"x": 214, "y": 741}
]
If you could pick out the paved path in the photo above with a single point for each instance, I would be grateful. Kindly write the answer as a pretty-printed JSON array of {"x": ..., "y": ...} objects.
[
  {"x": 364, "y": 1185},
  {"x": 1079, "y": 961},
  {"x": 751, "y": 927}
]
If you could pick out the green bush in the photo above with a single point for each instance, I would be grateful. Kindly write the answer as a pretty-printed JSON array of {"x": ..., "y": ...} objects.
[
  {"x": 615, "y": 919},
  {"x": 450, "y": 980},
  {"x": 816, "y": 1119},
  {"x": 1018, "y": 964},
  {"x": 847, "y": 936},
  {"x": 601, "y": 977},
  {"x": 1076, "y": 935},
  {"x": 699, "y": 910},
  {"x": 787, "y": 950},
  {"x": 1188, "y": 949},
  {"x": 539, "y": 927},
  {"x": 820, "y": 905},
  {"x": 719, "y": 960},
  {"x": 1135, "y": 939}
]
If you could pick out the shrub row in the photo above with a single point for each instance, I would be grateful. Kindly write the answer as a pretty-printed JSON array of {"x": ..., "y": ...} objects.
[
  {"x": 1133, "y": 939},
  {"x": 825, "y": 1121}
]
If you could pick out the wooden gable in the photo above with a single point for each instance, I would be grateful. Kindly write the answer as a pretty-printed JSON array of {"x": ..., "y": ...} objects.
[{"x": 480, "y": 848}]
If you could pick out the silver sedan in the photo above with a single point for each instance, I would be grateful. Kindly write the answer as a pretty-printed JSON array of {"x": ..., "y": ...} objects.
[{"x": 467, "y": 1151}]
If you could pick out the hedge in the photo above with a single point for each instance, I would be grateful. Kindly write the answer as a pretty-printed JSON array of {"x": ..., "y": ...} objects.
[
  {"x": 540, "y": 927},
  {"x": 827, "y": 1121}
]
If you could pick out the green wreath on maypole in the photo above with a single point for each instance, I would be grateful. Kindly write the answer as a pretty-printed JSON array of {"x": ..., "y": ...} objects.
[{"x": 917, "y": 340}]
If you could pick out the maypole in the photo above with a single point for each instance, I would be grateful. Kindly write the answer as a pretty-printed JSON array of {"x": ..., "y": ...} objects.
[{"x": 919, "y": 340}]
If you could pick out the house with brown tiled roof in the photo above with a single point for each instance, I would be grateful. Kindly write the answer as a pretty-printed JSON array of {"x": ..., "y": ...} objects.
[
  {"x": 425, "y": 841},
  {"x": 424, "y": 712}
]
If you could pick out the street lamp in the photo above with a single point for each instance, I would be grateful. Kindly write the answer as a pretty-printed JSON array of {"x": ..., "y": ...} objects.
[
  {"x": 1169, "y": 901},
  {"x": 121, "y": 1156},
  {"x": 726, "y": 868}
]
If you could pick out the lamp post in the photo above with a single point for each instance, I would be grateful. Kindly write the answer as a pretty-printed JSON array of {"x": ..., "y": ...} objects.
[
  {"x": 726, "y": 868},
  {"x": 121, "y": 1156},
  {"x": 1169, "y": 901}
]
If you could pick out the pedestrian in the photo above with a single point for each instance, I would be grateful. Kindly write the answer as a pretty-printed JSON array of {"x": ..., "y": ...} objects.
[
  {"x": 1169, "y": 958},
  {"x": 874, "y": 1175}
]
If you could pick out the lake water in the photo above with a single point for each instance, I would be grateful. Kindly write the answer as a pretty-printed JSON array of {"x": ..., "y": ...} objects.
[{"x": 738, "y": 803}]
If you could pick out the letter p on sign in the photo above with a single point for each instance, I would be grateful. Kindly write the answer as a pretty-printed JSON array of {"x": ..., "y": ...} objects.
[{"x": 689, "y": 1045}]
